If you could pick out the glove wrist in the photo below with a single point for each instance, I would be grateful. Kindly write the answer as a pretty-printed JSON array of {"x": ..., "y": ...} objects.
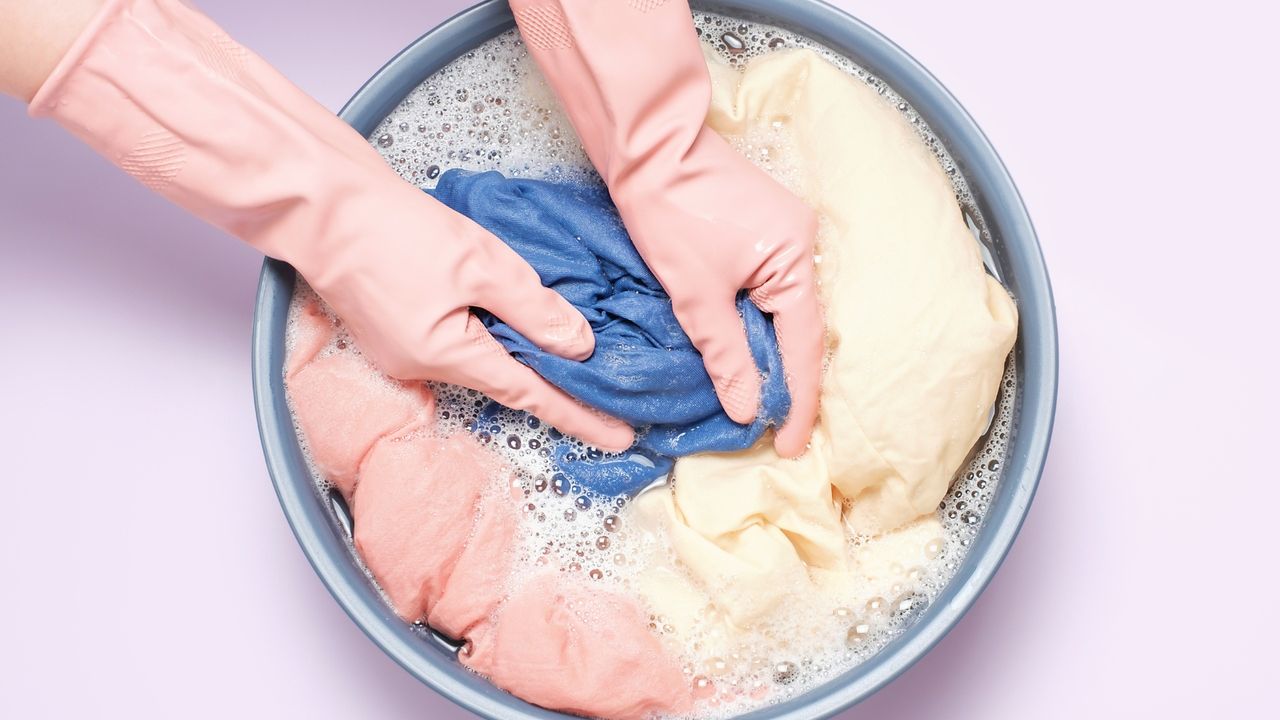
[{"x": 160, "y": 91}]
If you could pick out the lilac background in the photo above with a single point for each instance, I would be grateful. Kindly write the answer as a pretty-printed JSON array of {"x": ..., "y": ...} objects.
[{"x": 146, "y": 569}]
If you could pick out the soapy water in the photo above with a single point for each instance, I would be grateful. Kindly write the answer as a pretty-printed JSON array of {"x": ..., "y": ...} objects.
[{"x": 491, "y": 110}]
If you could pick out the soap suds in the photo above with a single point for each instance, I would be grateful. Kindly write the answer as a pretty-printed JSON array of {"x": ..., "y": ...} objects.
[{"x": 490, "y": 110}]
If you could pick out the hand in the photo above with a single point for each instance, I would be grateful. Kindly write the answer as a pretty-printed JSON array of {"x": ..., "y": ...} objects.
[
  {"x": 159, "y": 89},
  {"x": 405, "y": 284},
  {"x": 709, "y": 223}
]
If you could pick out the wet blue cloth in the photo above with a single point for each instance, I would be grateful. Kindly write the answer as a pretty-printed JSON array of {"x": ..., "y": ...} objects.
[{"x": 644, "y": 370}]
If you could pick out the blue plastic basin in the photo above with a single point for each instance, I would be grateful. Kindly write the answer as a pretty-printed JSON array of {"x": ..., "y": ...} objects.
[{"x": 1017, "y": 254}]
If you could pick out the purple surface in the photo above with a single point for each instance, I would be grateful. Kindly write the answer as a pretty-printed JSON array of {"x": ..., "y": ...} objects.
[{"x": 146, "y": 569}]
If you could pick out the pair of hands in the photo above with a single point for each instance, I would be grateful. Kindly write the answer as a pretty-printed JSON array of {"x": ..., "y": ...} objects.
[{"x": 159, "y": 89}]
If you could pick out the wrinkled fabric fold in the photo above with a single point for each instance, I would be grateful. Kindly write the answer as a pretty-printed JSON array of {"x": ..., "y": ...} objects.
[{"x": 645, "y": 370}]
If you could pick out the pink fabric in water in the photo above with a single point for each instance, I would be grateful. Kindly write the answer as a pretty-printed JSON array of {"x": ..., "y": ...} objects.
[
  {"x": 414, "y": 509},
  {"x": 583, "y": 651},
  {"x": 343, "y": 408},
  {"x": 312, "y": 330},
  {"x": 478, "y": 585},
  {"x": 436, "y": 527}
]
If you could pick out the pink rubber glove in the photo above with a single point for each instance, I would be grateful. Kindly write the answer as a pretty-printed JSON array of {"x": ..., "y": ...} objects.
[
  {"x": 632, "y": 77},
  {"x": 161, "y": 91}
]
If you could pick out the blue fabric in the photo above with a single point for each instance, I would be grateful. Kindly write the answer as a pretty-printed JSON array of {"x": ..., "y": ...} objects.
[{"x": 644, "y": 370}]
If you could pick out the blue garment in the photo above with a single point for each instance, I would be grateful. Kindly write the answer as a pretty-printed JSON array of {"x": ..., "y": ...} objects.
[{"x": 645, "y": 370}]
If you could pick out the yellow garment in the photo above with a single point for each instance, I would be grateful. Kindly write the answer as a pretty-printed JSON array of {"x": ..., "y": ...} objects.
[{"x": 917, "y": 332}]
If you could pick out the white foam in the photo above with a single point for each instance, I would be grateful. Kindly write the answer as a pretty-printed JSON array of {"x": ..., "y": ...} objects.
[{"x": 490, "y": 110}]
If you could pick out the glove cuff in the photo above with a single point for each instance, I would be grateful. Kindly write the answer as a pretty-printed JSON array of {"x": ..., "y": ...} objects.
[{"x": 162, "y": 92}]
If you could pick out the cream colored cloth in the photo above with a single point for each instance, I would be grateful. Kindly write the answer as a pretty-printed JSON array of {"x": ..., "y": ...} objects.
[{"x": 918, "y": 334}]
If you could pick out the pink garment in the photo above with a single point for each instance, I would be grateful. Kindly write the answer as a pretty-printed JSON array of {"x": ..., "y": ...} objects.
[
  {"x": 342, "y": 429},
  {"x": 632, "y": 77},
  {"x": 161, "y": 91},
  {"x": 414, "y": 509},
  {"x": 582, "y": 651},
  {"x": 435, "y": 525}
]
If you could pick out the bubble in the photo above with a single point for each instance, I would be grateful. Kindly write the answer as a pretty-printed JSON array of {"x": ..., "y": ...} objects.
[
  {"x": 602, "y": 542},
  {"x": 703, "y": 688},
  {"x": 858, "y": 634},
  {"x": 612, "y": 523},
  {"x": 784, "y": 672},
  {"x": 433, "y": 172},
  {"x": 560, "y": 484},
  {"x": 385, "y": 140},
  {"x": 908, "y": 608},
  {"x": 583, "y": 502},
  {"x": 933, "y": 548},
  {"x": 733, "y": 43},
  {"x": 876, "y": 605}
]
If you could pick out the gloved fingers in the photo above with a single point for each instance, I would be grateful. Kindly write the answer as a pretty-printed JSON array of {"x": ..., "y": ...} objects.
[
  {"x": 512, "y": 291},
  {"x": 486, "y": 366},
  {"x": 797, "y": 321},
  {"x": 716, "y": 329}
]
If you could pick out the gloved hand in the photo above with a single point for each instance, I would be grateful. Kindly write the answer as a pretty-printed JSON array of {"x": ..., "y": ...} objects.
[
  {"x": 161, "y": 91},
  {"x": 632, "y": 77}
]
